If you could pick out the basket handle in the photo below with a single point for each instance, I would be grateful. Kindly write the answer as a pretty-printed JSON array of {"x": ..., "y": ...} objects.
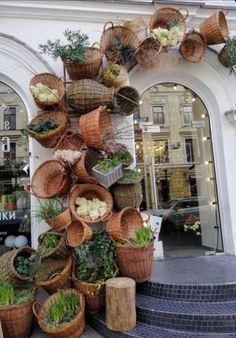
[
  {"x": 34, "y": 309},
  {"x": 186, "y": 14},
  {"x": 96, "y": 43},
  {"x": 108, "y": 23},
  {"x": 110, "y": 213},
  {"x": 225, "y": 12}
]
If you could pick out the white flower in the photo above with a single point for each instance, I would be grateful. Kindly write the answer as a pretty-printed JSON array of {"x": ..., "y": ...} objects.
[
  {"x": 44, "y": 94},
  {"x": 70, "y": 156},
  {"x": 90, "y": 209},
  {"x": 167, "y": 37}
]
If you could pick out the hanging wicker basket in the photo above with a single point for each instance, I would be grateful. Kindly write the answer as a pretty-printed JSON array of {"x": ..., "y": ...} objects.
[
  {"x": 78, "y": 232},
  {"x": 123, "y": 224},
  {"x": 50, "y": 179},
  {"x": 193, "y": 46},
  {"x": 215, "y": 28},
  {"x": 72, "y": 329},
  {"x": 138, "y": 26},
  {"x": 61, "y": 221},
  {"x": 148, "y": 51},
  {"x": 54, "y": 274},
  {"x": 83, "y": 168},
  {"x": 135, "y": 262},
  {"x": 96, "y": 128},
  {"x": 86, "y": 95},
  {"x": 163, "y": 17},
  {"x": 60, "y": 251},
  {"x": 53, "y": 82},
  {"x": 127, "y": 195},
  {"x": 109, "y": 178},
  {"x": 126, "y": 101},
  {"x": 70, "y": 141},
  {"x": 87, "y": 69},
  {"x": 90, "y": 191},
  {"x": 224, "y": 57},
  {"x": 50, "y": 139}
]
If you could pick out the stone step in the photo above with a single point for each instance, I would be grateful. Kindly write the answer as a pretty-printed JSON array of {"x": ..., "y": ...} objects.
[
  {"x": 97, "y": 321},
  {"x": 187, "y": 316}
]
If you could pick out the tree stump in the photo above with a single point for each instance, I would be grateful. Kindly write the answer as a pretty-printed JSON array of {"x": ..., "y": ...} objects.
[{"x": 120, "y": 304}]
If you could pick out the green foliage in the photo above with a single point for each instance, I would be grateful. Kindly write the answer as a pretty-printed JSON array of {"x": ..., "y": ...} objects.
[
  {"x": 95, "y": 259},
  {"x": 42, "y": 127},
  {"x": 10, "y": 296},
  {"x": 26, "y": 264},
  {"x": 49, "y": 243},
  {"x": 73, "y": 50},
  {"x": 130, "y": 176},
  {"x": 123, "y": 53},
  {"x": 63, "y": 309},
  {"x": 173, "y": 22},
  {"x": 49, "y": 209},
  {"x": 231, "y": 50},
  {"x": 144, "y": 235},
  {"x": 123, "y": 156},
  {"x": 107, "y": 166}
]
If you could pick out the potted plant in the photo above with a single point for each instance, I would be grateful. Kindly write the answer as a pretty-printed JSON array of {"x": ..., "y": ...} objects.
[
  {"x": 16, "y": 310},
  {"x": 193, "y": 226},
  {"x": 227, "y": 56},
  {"x": 62, "y": 314},
  {"x": 79, "y": 60},
  {"x": 52, "y": 244},
  {"x": 94, "y": 263},
  {"x": 115, "y": 76}
]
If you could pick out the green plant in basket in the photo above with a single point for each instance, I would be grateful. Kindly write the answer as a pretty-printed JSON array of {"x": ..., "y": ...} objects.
[
  {"x": 49, "y": 243},
  {"x": 230, "y": 46},
  {"x": 108, "y": 165},
  {"x": 26, "y": 264},
  {"x": 10, "y": 296},
  {"x": 43, "y": 127},
  {"x": 49, "y": 209},
  {"x": 130, "y": 176}
]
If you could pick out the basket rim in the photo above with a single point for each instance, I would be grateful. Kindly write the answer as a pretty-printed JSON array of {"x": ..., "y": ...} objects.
[
  {"x": 17, "y": 251},
  {"x": 4, "y": 308},
  {"x": 171, "y": 9}
]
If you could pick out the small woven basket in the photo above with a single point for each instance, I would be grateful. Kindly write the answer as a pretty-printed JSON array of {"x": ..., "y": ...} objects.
[
  {"x": 72, "y": 329},
  {"x": 49, "y": 179},
  {"x": 49, "y": 140},
  {"x": 53, "y": 82},
  {"x": 54, "y": 274},
  {"x": 90, "y": 191},
  {"x": 78, "y": 232},
  {"x": 127, "y": 195},
  {"x": 163, "y": 16},
  {"x": 60, "y": 251},
  {"x": 135, "y": 262},
  {"x": 86, "y": 95},
  {"x": 61, "y": 221},
  {"x": 193, "y": 46},
  {"x": 215, "y": 28},
  {"x": 83, "y": 168},
  {"x": 126, "y": 101},
  {"x": 87, "y": 69},
  {"x": 138, "y": 26},
  {"x": 107, "y": 179},
  {"x": 123, "y": 224},
  {"x": 224, "y": 58},
  {"x": 148, "y": 51},
  {"x": 96, "y": 128},
  {"x": 69, "y": 141}
]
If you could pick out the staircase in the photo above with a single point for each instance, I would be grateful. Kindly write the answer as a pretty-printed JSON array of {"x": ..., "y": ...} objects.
[{"x": 185, "y": 298}]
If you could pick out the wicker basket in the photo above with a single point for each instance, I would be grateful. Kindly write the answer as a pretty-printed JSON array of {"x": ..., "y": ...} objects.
[
  {"x": 53, "y": 82},
  {"x": 193, "y": 46},
  {"x": 126, "y": 36},
  {"x": 123, "y": 225},
  {"x": 16, "y": 320},
  {"x": 138, "y": 26},
  {"x": 125, "y": 156},
  {"x": 50, "y": 179},
  {"x": 224, "y": 58},
  {"x": 86, "y": 95},
  {"x": 126, "y": 101},
  {"x": 135, "y": 262},
  {"x": 109, "y": 178},
  {"x": 78, "y": 232},
  {"x": 127, "y": 195},
  {"x": 118, "y": 81},
  {"x": 54, "y": 274},
  {"x": 96, "y": 128},
  {"x": 72, "y": 329},
  {"x": 50, "y": 139},
  {"x": 87, "y": 69},
  {"x": 90, "y": 191},
  {"x": 60, "y": 251},
  {"x": 148, "y": 51},
  {"x": 164, "y": 15},
  {"x": 215, "y": 28},
  {"x": 61, "y": 221},
  {"x": 70, "y": 141},
  {"x": 83, "y": 168}
]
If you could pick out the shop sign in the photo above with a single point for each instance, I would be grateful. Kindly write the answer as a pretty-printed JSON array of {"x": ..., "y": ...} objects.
[{"x": 7, "y": 215}]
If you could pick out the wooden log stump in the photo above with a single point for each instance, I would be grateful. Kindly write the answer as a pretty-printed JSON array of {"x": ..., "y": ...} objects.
[{"x": 120, "y": 304}]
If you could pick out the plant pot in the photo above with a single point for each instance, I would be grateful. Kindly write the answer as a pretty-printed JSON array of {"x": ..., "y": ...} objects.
[
  {"x": 78, "y": 232},
  {"x": 109, "y": 178},
  {"x": 61, "y": 221},
  {"x": 60, "y": 251},
  {"x": 127, "y": 195}
]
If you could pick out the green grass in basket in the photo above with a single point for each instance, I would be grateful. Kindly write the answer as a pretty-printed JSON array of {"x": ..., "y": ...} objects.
[
  {"x": 48, "y": 209},
  {"x": 130, "y": 176},
  {"x": 11, "y": 296},
  {"x": 49, "y": 243}
]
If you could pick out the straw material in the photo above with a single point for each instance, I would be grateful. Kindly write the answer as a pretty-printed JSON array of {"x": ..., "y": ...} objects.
[
  {"x": 122, "y": 225},
  {"x": 224, "y": 58},
  {"x": 78, "y": 232},
  {"x": 70, "y": 330},
  {"x": 87, "y": 69},
  {"x": 96, "y": 128},
  {"x": 126, "y": 101},
  {"x": 54, "y": 274},
  {"x": 135, "y": 262},
  {"x": 50, "y": 139},
  {"x": 126, "y": 36},
  {"x": 83, "y": 168},
  {"x": 61, "y": 221},
  {"x": 163, "y": 16},
  {"x": 90, "y": 191},
  {"x": 138, "y": 26},
  {"x": 193, "y": 46},
  {"x": 148, "y": 51},
  {"x": 86, "y": 95},
  {"x": 127, "y": 195},
  {"x": 53, "y": 82},
  {"x": 17, "y": 320},
  {"x": 118, "y": 81},
  {"x": 70, "y": 141},
  {"x": 49, "y": 179},
  {"x": 60, "y": 251},
  {"x": 106, "y": 180},
  {"x": 215, "y": 28}
]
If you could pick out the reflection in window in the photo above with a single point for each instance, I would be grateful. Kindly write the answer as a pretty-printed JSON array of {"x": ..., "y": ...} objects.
[
  {"x": 187, "y": 113},
  {"x": 161, "y": 151},
  {"x": 189, "y": 150},
  {"x": 158, "y": 114},
  {"x": 10, "y": 118}
]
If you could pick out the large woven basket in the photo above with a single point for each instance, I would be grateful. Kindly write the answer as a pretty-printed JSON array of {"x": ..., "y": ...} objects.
[
  {"x": 90, "y": 191},
  {"x": 53, "y": 82},
  {"x": 83, "y": 168},
  {"x": 72, "y": 329},
  {"x": 163, "y": 16},
  {"x": 123, "y": 224},
  {"x": 148, "y": 51},
  {"x": 135, "y": 262},
  {"x": 78, "y": 232},
  {"x": 87, "y": 69},
  {"x": 126, "y": 101},
  {"x": 54, "y": 274},
  {"x": 96, "y": 128},
  {"x": 193, "y": 46},
  {"x": 86, "y": 95},
  {"x": 127, "y": 195},
  {"x": 70, "y": 141},
  {"x": 224, "y": 58},
  {"x": 50, "y": 139},
  {"x": 215, "y": 28},
  {"x": 16, "y": 320},
  {"x": 126, "y": 36},
  {"x": 60, "y": 251},
  {"x": 49, "y": 179}
]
